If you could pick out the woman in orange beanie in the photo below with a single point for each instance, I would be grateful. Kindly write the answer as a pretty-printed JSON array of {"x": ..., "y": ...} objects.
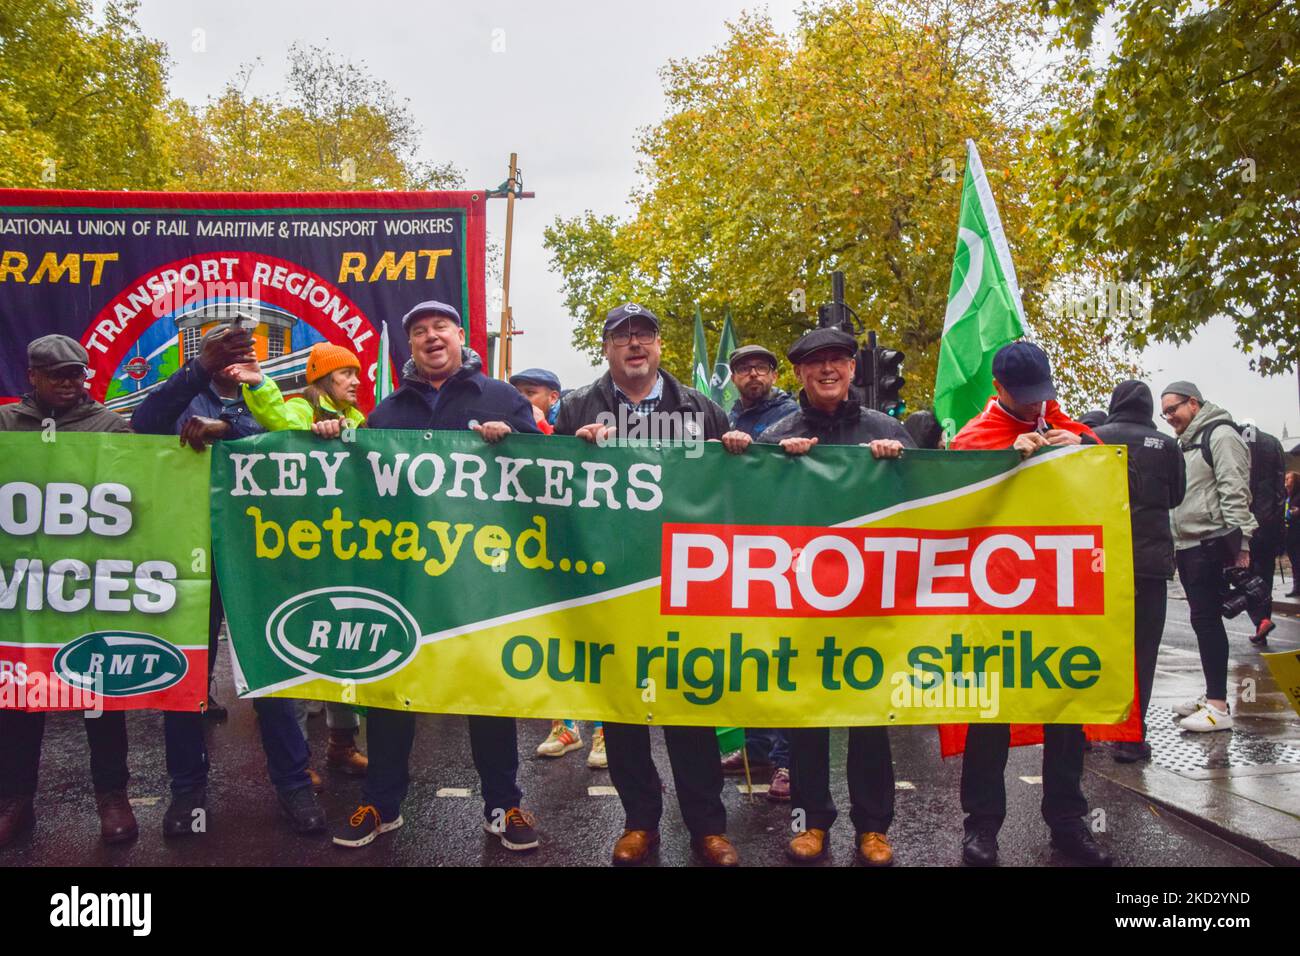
[{"x": 329, "y": 400}]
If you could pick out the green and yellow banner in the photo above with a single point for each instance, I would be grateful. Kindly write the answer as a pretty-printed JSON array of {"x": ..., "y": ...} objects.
[
  {"x": 104, "y": 572},
  {"x": 677, "y": 584}
]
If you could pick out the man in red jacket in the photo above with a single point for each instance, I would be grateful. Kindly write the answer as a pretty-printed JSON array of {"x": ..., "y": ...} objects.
[{"x": 1024, "y": 416}]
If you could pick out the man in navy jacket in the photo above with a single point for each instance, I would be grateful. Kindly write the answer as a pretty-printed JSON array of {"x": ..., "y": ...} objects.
[
  {"x": 444, "y": 388},
  {"x": 201, "y": 404}
]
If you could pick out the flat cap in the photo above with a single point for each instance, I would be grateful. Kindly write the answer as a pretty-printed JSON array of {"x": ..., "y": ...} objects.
[
  {"x": 749, "y": 352},
  {"x": 56, "y": 351},
  {"x": 819, "y": 339},
  {"x": 429, "y": 307},
  {"x": 536, "y": 376}
]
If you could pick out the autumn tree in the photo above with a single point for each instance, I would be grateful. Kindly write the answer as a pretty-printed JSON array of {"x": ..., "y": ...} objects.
[
  {"x": 81, "y": 100},
  {"x": 785, "y": 158},
  {"x": 1176, "y": 161},
  {"x": 336, "y": 127}
]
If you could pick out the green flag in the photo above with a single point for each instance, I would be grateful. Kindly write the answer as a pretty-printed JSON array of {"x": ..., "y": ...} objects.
[
  {"x": 700, "y": 360},
  {"x": 984, "y": 308},
  {"x": 384, "y": 373},
  {"x": 721, "y": 388}
]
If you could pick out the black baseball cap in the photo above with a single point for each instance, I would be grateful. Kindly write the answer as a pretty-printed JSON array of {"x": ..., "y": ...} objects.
[
  {"x": 819, "y": 339},
  {"x": 627, "y": 311},
  {"x": 748, "y": 352},
  {"x": 1023, "y": 370}
]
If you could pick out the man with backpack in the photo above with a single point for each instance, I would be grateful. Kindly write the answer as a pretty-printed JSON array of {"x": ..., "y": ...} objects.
[
  {"x": 1213, "y": 528},
  {"x": 1268, "y": 505}
]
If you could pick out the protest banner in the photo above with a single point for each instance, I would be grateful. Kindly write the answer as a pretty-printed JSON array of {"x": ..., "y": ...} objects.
[
  {"x": 137, "y": 278},
  {"x": 104, "y": 573},
  {"x": 677, "y": 584}
]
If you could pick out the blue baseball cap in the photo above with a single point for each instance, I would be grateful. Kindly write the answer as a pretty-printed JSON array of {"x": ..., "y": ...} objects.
[
  {"x": 536, "y": 376},
  {"x": 1023, "y": 370},
  {"x": 431, "y": 307},
  {"x": 626, "y": 312}
]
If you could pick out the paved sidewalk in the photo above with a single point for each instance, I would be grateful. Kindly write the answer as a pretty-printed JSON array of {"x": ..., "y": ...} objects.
[{"x": 1243, "y": 785}]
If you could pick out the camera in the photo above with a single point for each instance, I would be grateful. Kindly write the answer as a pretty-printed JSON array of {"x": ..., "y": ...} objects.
[{"x": 1245, "y": 590}]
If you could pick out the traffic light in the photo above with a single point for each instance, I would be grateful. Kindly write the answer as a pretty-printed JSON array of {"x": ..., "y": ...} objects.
[{"x": 889, "y": 382}]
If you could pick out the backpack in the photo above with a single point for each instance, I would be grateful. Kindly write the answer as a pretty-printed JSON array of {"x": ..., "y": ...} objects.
[{"x": 1267, "y": 472}]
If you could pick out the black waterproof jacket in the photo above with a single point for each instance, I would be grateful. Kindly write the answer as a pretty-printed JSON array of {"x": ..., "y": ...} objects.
[
  {"x": 851, "y": 424},
  {"x": 1156, "y": 476},
  {"x": 583, "y": 406}
]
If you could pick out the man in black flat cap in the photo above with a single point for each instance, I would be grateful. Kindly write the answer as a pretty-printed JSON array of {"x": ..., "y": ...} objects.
[
  {"x": 824, "y": 361},
  {"x": 636, "y": 391}
]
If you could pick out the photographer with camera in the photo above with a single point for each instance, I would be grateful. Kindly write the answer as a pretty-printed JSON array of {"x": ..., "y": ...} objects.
[{"x": 1212, "y": 530}]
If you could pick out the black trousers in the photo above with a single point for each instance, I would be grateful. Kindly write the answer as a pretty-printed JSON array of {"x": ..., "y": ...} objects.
[
  {"x": 1263, "y": 561},
  {"x": 870, "y": 771},
  {"x": 1200, "y": 569},
  {"x": 390, "y": 735},
  {"x": 983, "y": 776},
  {"x": 697, "y": 775},
  {"x": 1150, "y": 602},
  {"x": 20, "y": 751}
]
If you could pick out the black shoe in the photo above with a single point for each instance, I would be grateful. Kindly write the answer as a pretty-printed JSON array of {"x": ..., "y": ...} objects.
[
  {"x": 1077, "y": 843},
  {"x": 303, "y": 810},
  {"x": 515, "y": 830},
  {"x": 980, "y": 847},
  {"x": 1293, "y": 593},
  {"x": 215, "y": 710},
  {"x": 187, "y": 813},
  {"x": 362, "y": 827},
  {"x": 1127, "y": 751}
]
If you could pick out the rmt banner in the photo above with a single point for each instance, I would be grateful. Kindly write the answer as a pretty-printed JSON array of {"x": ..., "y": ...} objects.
[
  {"x": 651, "y": 583},
  {"x": 104, "y": 573},
  {"x": 137, "y": 278}
]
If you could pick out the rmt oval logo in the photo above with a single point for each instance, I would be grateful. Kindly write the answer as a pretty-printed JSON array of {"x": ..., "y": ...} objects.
[
  {"x": 127, "y": 662},
  {"x": 343, "y": 633}
]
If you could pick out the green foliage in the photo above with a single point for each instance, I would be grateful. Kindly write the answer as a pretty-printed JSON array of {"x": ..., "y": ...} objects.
[
  {"x": 785, "y": 158},
  {"x": 80, "y": 101},
  {"x": 1177, "y": 162},
  {"x": 337, "y": 128}
]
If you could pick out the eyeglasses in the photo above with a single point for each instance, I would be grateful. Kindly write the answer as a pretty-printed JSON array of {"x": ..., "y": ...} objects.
[
  {"x": 756, "y": 368},
  {"x": 72, "y": 373},
  {"x": 1168, "y": 413},
  {"x": 642, "y": 336}
]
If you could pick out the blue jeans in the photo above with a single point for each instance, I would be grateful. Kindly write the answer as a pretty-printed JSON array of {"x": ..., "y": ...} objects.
[{"x": 770, "y": 743}]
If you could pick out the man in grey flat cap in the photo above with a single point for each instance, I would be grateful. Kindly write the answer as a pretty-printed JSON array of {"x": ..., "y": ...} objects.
[{"x": 56, "y": 368}]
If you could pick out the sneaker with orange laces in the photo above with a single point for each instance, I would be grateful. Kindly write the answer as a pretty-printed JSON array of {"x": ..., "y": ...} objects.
[
  {"x": 363, "y": 826},
  {"x": 515, "y": 829},
  {"x": 563, "y": 738}
]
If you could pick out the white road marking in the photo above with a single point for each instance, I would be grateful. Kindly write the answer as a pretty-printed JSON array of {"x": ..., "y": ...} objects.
[
  {"x": 1032, "y": 781},
  {"x": 452, "y": 792},
  {"x": 602, "y": 791},
  {"x": 757, "y": 788},
  {"x": 144, "y": 801},
  {"x": 904, "y": 785}
]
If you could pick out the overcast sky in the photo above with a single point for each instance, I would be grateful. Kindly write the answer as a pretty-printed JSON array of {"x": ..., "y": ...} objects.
[{"x": 570, "y": 89}]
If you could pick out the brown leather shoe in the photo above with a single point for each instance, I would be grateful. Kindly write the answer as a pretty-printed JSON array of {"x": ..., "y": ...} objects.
[
  {"x": 116, "y": 819},
  {"x": 317, "y": 784},
  {"x": 16, "y": 815},
  {"x": 874, "y": 849},
  {"x": 342, "y": 754},
  {"x": 716, "y": 850},
  {"x": 807, "y": 847},
  {"x": 634, "y": 846}
]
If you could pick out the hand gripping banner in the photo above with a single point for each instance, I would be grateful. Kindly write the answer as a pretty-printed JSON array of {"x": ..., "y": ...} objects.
[{"x": 671, "y": 584}]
